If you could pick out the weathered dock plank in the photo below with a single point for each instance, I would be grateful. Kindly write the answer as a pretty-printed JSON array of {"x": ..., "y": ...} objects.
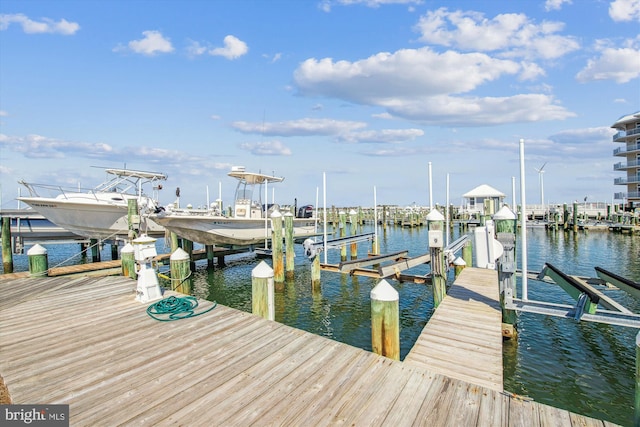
[
  {"x": 463, "y": 337},
  {"x": 88, "y": 343}
]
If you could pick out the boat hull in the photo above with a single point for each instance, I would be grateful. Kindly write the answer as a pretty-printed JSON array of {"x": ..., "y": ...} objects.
[
  {"x": 90, "y": 219},
  {"x": 228, "y": 231}
]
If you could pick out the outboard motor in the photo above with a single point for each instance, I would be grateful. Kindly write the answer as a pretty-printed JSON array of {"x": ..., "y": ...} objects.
[{"x": 310, "y": 249}]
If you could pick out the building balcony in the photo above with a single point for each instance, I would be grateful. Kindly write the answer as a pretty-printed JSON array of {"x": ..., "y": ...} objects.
[
  {"x": 627, "y": 180},
  {"x": 629, "y": 149},
  {"x": 623, "y": 135},
  {"x": 631, "y": 195},
  {"x": 624, "y": 166}
]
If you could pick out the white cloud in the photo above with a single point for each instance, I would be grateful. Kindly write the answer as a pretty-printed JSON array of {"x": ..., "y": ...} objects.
[
  {"x": 426, "y": 87},
  {"x": 302, "y": 127},
  {"x": 475, "y": 111},
  {"x": 407, "y": 73},
  {"x": 266, "y": 148},
  {"x": 151, "y": 44},
  {"x": 326, "y": 5},
  {"x": 47, "y": 25},
  {"x": 37, "y": 146},
  {"x": 624, "y": 10},
  {"x": 555, "y": 4},
  {"x": 385, "y": 136},
  {"x": 510, "y": 35},
  {"x": 233, "y": 48},
  {"x": 620, "y": 64}
]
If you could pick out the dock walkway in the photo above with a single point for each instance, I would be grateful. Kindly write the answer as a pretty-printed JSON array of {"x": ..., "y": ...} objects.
[
  {"x": 86, "y": 342},
  {"x": 467, "y": 322}
]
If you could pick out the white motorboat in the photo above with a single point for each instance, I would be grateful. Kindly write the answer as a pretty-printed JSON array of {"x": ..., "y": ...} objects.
[
  {"x": 100, "y": 213},
  {"x": 248, "y": 225}
]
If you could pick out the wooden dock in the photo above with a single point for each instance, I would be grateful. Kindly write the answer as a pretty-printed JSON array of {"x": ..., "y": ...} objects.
[
  {"x": 86, "y": 342},
  {"x": 467, "y": 322}
]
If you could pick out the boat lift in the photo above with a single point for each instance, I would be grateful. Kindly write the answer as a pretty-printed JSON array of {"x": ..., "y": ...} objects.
[{"x": 587, "y": 297}]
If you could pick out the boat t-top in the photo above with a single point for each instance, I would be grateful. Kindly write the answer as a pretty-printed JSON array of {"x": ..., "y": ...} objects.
[
  {"x": 247, "y": 224},
  {"x": 102, "y": 212}
]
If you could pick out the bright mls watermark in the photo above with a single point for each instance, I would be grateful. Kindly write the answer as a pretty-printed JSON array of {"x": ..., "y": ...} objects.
[{"x": 34, "y": 415}]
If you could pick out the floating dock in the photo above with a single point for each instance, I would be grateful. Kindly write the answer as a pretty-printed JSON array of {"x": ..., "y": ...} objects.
[{"x": 88, "y": 343}]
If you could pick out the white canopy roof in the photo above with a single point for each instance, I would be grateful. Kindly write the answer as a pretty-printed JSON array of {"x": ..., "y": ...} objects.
[{"x": 483, "y": 190}]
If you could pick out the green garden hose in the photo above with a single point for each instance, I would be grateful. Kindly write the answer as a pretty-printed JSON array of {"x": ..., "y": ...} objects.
[{"x": 175, "y": 308}]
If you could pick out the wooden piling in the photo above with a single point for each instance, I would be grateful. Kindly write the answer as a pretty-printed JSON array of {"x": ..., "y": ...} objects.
[
  {"x": 133, "y": 218},
  {"x": 38, "y": 261},
  {"x": 173, "y": 237},
  {"x": 276, "y": 247},
  {"x": 343, "y": 233},
  {"x": 127, "y": 261},
  {"x": 575, "y": 216},
  {"x": 7, "y": 254},
  {"x": 179, "y": 262},
  {"x": 636, "y": 420},
  {"x": 95, "y": 250},
  {"x": 354, "y": 224},
  {"x": 114, "y": 251},
  {"x": 435, "y": 222},
  {"x": 315, "y": 272},
  {"x": 505, "y": 221},
  {"x": 210, "y": 256},
  {"x": 385, "y": 320},
  {"x": 458, "y": 265},
  {"x": 467, "y": 253},
  {"x": 262, "y": 293},
  {"x": 289, "y": 250}
]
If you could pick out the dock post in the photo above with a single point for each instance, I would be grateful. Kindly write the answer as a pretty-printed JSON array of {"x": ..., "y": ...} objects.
[
  {"x": 114, "y": 251},
  {"x": 7, "y": 255},
  {"x": 128, "y": 261},
  {"x": 354, "y": 224},
  {"x": 179, "y": 262},
  {"x": 38, "y": 261},
  {"x": 209, "y": 249},
  {"x": 505, "y": 221},
  {"x": 435, "y": 223},
  {"x": 636, "y": 418},
  {"x": 288, "y": 240},
  {"x": 315, "y": 273},
  {"x": 262, "y": 294},
  {"x": 467, "y": 253},
  {"x": 133, "y": 217},
  {"x": 385, "y": 320},
  {"x": 276, "y": 247},
  {"x": 187, "y": 245},
  {"x": 459, "y": 264},
  {"x": 575, "y": 217},
  {"x": 95, "y": 250},
  {"x": 174, "y": 241},
  {"x": 343, "y": 233}
]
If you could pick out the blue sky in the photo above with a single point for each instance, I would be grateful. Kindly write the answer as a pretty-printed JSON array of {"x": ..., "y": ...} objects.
[{"x": 368, "y": 92}]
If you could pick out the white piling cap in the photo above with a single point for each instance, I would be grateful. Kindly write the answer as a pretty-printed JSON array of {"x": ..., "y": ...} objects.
[
  {"x": 435, "y": 215},
  {"x": 262, "y": 271},
  {"x": 352, "y": 212},
  {"x": 276, "y": 214},
  {"x": 179, "y": 255},
  {"x": 127, "y": 249},
  {"x": 383, "y": 291},
  {"x": 459, "y": 261},
  {"x": 288, "y": 214},
  {"x": 37, "y": 250},
  {"x": 504, "y": 213}
]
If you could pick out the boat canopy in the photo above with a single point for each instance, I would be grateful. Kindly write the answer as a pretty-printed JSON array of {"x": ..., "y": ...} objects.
[
  {"x": 154, "y": 176},
  {"x": 254, "y": 178}
]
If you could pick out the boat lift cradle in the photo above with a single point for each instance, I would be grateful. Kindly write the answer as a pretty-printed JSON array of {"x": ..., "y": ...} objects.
[{"x": 587, "y": 300}]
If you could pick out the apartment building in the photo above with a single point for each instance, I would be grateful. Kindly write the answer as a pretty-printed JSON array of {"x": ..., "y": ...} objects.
[{"x": 628, "y": 134}]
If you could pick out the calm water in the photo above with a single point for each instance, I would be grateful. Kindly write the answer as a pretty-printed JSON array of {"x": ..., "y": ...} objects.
[{"x": 583, "y": 367}]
